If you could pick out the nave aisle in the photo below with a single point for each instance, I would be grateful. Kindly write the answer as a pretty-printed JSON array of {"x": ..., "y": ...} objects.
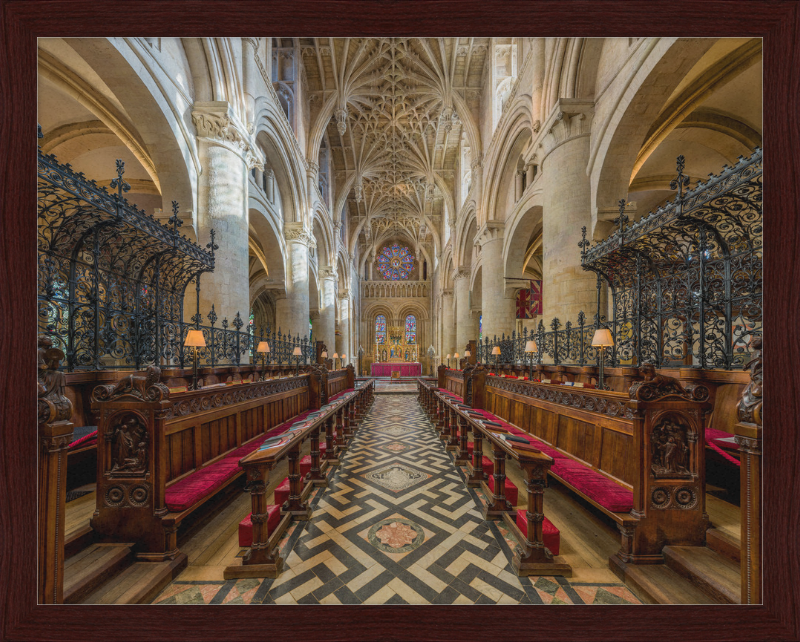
[{"x": 397, "y": 525}]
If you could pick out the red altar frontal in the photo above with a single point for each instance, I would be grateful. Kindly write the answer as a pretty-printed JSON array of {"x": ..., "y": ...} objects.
[{"x": 405, "y": 369}]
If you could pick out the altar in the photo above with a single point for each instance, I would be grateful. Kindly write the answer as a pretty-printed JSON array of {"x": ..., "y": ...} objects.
[{"x": 406, "y": 369}]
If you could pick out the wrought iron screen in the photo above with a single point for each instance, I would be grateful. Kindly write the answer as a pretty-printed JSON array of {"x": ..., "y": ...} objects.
[
  {"x": 684, "y": 282},
  {"x": 112, "y": 280}
]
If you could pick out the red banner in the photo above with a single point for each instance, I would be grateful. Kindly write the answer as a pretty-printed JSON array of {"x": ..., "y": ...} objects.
[{"x": 529, "y": 301}]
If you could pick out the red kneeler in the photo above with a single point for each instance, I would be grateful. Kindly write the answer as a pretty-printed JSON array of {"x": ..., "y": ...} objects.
[
  {"x": 550, "y": 534},
  {"x": 246, "y": 526},
  {"x": 282, "y": 493},
  {"x": 512, "y": 494}
]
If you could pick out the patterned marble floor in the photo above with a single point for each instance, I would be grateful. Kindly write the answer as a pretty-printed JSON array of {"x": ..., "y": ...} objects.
[{"x": 397, "y": 525}]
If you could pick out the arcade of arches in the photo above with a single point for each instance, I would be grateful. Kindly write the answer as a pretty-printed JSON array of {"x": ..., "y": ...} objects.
[{"x": 387, "y": 205}]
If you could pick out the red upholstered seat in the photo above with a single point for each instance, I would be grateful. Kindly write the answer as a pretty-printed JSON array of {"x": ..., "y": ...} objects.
[
  {"x": 713, "y": 436},
  {"x": 246, "y": 525},
  {"x": 282, "y": 492},
  {"x": 339, "y": 394},
  {"x": 550, "y": 534},
  {"x": 86, "y": 440},
  {"x": 594, "y": 485},
  {"x": 190, "y": 490},
  {"x": 511, "y": 491}
]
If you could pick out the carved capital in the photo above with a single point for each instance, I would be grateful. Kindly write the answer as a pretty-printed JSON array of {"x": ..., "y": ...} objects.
[
  {"x": 297, "y": 233},
  {"x": 344, "y": 294},
  {"x": 489, "y": 232},
  {"x": 462, "y": 272},
  {"x": 447, "y": 292},
  {"x": 326, "y": 273},
  {"x": 570, "y": 119},
  {"x": 216, "y": 123}
]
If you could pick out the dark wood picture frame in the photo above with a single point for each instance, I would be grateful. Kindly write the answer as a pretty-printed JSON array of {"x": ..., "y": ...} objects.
[{"x": 777, "y": 21}]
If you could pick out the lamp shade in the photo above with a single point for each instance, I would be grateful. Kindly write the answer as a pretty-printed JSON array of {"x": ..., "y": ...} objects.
[
  {"x": 467, "y": 354},
  {"x": 530, "y": 346},
  {"x": 325, "y": 354},
  {"x": 344, "y": 356},
  {"x": 297, "y": 352},
  {"x": 263, "y": 346},
  {"x": 602, "y": 337},
  {"x": 448, "y": 356},
  {"x": 496, "y": 350},
  {"x": 195, "y": 339},
  {"x": 335, "y": 355},
  {"x": 455, "y": 356}
]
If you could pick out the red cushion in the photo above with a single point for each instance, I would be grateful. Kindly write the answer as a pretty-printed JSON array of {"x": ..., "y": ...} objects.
[
  {"x": 511, "y": 492},
  {"x": 488, "y": 465},
  {"x": 305, "y": 466},
  {"x": 86, "y": 440},
  {"x": 282, "y": 492},
  {"x": 190, "y": 490},
  {"x": 246, "y": 525},
  {"x": 599, "y": 488},
  {"x": 712, "y": 436},
  {"x": 339, "y": 394},
  {"x": 550, "y": 534}
]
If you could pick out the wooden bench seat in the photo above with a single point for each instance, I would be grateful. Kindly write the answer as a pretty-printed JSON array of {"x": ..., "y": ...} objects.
[{"x": 601, "y": 491}]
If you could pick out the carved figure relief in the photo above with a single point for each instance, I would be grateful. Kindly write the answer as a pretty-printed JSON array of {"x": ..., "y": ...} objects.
[
  {"x": 129, "y": 446},
  {"x": 751, "y": 402},
  {"x": 670, "y": 451}
]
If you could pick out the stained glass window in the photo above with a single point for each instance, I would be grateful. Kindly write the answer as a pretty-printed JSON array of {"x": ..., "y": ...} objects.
[
  {"x": 411, "y": 329},
  {"x": 380, "y": 329},
  {"x": 395, "y": 263},
  {"x": 480, "y": 328}
]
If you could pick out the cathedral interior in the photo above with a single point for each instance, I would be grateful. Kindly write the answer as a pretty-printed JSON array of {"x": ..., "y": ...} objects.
[{"x": 399, "y": 320}]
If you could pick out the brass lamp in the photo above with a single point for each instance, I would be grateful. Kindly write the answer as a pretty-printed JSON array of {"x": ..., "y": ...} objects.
[
  {"x": 324, "y": 355},
  {"x": 335, "y": 357},
  {"x": 195, "y": 339},
  {"x": 496, "y": 354},
  {"x": 297, "y": 352},
  {"x": 343, "y": 357},
  {"x": 530, "y": 348},
  {"x": 602, "y": 339},
  {"x": 263, "y": 348},
  {"x": 448, "y": 359},
  {"x": 456, "y": 357}
]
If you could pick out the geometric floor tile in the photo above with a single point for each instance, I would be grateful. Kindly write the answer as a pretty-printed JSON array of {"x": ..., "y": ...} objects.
[
  {"x": 396, "y": 525},
  {"x": 397, "y": 477}
]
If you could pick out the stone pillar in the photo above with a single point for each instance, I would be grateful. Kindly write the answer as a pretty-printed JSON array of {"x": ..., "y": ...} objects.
[
  {"x": 465, "y": 325},
  {"x": 343, "y": 341},
  {"x": 517, "y": 185},
  {"x": 270, "y": 175},
  {"x": 250, "y": 76},
  {"x": 566, "y": 287},
  {"x": 498, "y": 310},
  {"x": 448, "y": 324},
  {"x": 226, "y": 152},
  {"x": 293, "y": 314},
  {"x": 327, "y": 311},
  {"x": 529, "y": 169}
]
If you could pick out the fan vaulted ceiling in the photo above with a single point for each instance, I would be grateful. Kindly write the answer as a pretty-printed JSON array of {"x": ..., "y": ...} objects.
[{"x": 399, "y": 111}]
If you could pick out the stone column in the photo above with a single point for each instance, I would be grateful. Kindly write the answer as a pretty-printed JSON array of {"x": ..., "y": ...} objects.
[
  {"x": 294, "y": 311},
  {"x": 448, "y": 324},
  {"x": 226, "y": 152},
  {"x": 327, "y": 311},
  {"x": 566, "y": 287},
  {"x": 343, "y": 340},
  {"x": 465, "y": 325},
  {"x": 518, "y": 185},
  {"x": 529, "y": 169},
  {"x": 250, "y": 76},
  {"x": 498, "y": 310}
]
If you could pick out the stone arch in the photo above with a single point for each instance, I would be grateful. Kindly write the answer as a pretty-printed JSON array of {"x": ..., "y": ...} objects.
[
  {"x": 499, "y": 178},
  {"x": 617, "y": 140},
  {"x": 157, "y": 132},
  {"x": 525, "y": 221},
  {"x": 290, "y": 173}
]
